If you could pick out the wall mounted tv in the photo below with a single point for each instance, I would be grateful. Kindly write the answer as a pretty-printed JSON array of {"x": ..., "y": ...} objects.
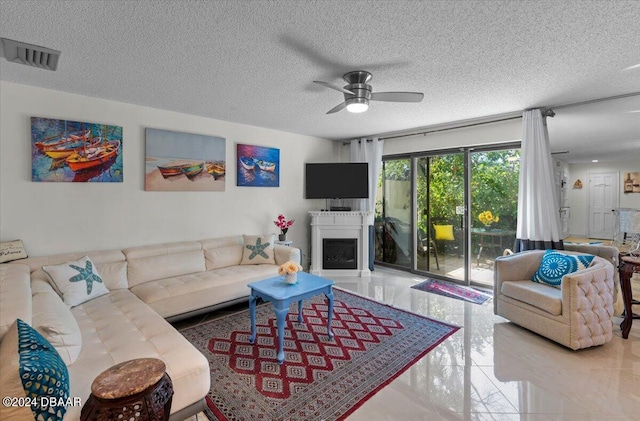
[{"x": 337, "y": 181}]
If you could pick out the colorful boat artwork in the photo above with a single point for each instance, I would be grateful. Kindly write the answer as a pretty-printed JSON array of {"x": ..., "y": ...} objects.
[
  {"x": 247, "y": 162},
  {"x": 216, "y": 169},
  {"x": 266, "y": 165},
  {"x": 75, "y": 151},
  {"x": 56, "y": 142},
  {"x": 192, "y": 170},
  {"x": 66, "y": 149},
  {"x": 93, "y": 156},
  {"x": 171, "y": 170},
  {"x": 258, "y": 166}
]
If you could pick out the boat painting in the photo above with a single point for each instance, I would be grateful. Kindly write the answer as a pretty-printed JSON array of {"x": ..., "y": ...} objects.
[
  {"x": 170, "y": 171},
  {"x": 247, "y": 162},
  {"x": 59, "y": 141},
  {"x": 93, "y": 156},
  {"x": 192, "y": 171},
  {"x": 54, "y": 142},
  {"x": 266, "y": 166},
  {"x": 258, "y": 166},
  {"x": 177, "y": 161},
  {"x": 217, "y": 169}
]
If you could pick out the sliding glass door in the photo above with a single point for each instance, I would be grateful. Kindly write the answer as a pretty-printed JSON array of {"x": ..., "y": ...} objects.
[
  {"x": 448, "y": 214},
  {"x": 494, "y": 206},
  {"x": 440, "y": 182},
  {"x": 393, "y": 238}
]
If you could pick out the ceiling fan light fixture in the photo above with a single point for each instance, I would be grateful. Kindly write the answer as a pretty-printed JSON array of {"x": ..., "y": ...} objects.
[{"x": 357, "y": 105}]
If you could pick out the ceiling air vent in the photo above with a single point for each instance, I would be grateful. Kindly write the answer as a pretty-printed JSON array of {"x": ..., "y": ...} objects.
[{"x": 31, "y": 55}]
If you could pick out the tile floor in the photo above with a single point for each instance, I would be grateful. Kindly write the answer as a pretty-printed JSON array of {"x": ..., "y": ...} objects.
[{"x": 494, "y": 370}]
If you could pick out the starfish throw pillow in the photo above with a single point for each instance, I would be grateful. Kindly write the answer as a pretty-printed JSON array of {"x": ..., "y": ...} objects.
[
  {"x": 258, "y": 250},
  {"x": 77, "y": 281}
]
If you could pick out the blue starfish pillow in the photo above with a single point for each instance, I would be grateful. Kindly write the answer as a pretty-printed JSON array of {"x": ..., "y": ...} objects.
[
  {"x": 77, "y": 281},
  {"x": 258, "y": 250},
  {"x": 555, "y": 265}
]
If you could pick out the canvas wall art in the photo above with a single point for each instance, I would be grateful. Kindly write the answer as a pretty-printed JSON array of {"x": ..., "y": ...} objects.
[
  {"x": 258, "y": 166},
  {"x": 75, "y": 151},
  {"x": 177, "y": 161},
  {"x": 631, "y": 182}
]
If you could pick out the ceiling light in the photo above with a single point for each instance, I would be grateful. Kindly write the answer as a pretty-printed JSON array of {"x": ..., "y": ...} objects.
[
  {"x": 635, "y": 66},
  {"x": 357, "y": 105},
  {"x": 357, "y": 108},
  {"x": 594, "y": 160}
]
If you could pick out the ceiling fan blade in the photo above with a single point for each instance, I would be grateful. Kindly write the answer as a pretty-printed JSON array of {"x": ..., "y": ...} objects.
[
  {"x": 397, "y": 96},
  {"x": 337, "y": 108},
  {"x": 332, "y": 86}
]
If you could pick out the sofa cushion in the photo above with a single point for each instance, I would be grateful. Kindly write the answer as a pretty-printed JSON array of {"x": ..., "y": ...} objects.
[
  {"x": 118, "y": 327},
  {"x": 555, "y": 265},
  {"x": 77, "y": 281},
  {"x": 30, "y": 367},
  {"x": 258, "y": 249},
  {"x": 12, "y": 250},
  {"x": 53, "y": 319},
  {"x": 170, "y": 297},
  {"x": 165, "y": 264},
  {"x": 221, "y": 257},
  {"x": 15, "y": 296},
  {"x": 538, "y": 295}
]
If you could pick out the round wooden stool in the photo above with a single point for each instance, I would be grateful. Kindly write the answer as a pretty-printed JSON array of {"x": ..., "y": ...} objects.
[{"x": 133, "y": 390}]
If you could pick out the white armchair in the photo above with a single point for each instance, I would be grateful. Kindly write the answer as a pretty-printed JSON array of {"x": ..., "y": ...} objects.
[{"x": 578, "y": 315}]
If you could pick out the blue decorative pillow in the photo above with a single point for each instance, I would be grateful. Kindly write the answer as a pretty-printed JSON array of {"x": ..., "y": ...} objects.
[
  {"x": 555, "y": 265},
  {"x": 33, "y": 370}
]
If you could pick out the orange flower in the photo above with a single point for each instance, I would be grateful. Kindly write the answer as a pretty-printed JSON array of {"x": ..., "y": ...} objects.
[{"x": 289, "y": 268}]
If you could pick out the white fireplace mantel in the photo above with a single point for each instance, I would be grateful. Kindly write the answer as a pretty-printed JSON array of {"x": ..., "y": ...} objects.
[{"x": 326, "y": 224}]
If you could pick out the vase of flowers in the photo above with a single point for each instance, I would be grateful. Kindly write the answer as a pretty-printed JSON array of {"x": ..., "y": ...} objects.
[
  {"x": 284, "y": 226},
  {"x": 290, "y": 272},
  {"x": 487, "y": 218}
]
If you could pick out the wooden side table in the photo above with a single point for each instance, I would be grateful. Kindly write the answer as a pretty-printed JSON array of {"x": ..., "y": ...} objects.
[
  {"x": 628, "y": 265},
  {"x": 133, "y": 390}
]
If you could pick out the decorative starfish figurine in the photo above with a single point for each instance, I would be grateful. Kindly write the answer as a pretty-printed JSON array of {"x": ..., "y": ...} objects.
[
  {"x": 258, "y": 249},
  {"x": 86, "y": 274}
]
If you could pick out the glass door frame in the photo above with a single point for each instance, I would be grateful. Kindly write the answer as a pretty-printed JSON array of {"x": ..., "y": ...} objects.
[{"x": 466, "y": 228}]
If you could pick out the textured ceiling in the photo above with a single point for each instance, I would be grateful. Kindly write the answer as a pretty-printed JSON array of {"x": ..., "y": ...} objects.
[{"x": 254, "y": 62}]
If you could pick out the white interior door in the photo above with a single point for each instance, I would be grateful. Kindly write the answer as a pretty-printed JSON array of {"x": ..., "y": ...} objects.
[{"x": 603, "y": 199}]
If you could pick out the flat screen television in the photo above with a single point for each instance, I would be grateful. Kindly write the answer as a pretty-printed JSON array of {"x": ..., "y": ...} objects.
[{"x": 337, "y": 181}]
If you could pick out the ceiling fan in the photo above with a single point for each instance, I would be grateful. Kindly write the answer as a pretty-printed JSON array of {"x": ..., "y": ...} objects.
[{"x": 357, "y": 93}]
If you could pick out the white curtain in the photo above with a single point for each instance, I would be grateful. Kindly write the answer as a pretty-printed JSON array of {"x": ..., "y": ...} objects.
[
  {"x": 369, "y": 151},
  {"x": 538, "y": 211}
]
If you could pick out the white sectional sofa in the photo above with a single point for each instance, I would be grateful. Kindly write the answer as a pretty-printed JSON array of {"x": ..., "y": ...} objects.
[{"x": 148, "y": 286}]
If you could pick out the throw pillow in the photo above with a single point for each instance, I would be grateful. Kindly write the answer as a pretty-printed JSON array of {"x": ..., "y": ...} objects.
[
  {"x": 555, "y": 265},
  {"x": 258, "y": 249},
  {"x": 12, "y": 250},
  {"x": 31, "y": 368},
  {"x": 77, "y": 281},
  {"x": 444, "y": 232}
]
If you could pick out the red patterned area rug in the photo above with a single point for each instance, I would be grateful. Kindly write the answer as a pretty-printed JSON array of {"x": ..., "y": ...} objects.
[{"x": 320, "y": 379}]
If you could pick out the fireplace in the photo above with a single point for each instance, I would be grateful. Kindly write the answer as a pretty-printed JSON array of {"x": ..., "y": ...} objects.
[
  {"x": 347, "y": 237},
  {"x": 340, "y": 253}
]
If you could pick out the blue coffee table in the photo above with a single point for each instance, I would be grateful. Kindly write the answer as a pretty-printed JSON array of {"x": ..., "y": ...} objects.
[{"x": 281, "y": 295}]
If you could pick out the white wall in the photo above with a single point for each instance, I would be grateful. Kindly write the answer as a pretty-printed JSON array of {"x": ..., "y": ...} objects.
[
  {"x": 66, "y": 217},
  {"x": 578, "y": 198}
]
